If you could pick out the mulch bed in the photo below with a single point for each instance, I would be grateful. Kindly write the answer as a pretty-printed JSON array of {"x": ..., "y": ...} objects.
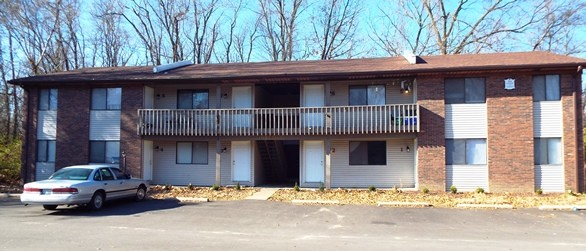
[
  {"x": 446, "y": 200},
  {"x": 223, "y": 193}
]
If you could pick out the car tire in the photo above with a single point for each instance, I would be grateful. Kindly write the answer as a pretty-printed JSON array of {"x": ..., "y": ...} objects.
[
  {"x": 50, "y": 207},
  {"x": 140, "y": 193},
  {"x": 97, "y": 201}
]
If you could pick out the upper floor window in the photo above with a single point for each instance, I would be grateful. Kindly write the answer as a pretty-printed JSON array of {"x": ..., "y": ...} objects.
[
  {"x": 366, "y": 95},
  {"x": 48, "y": 100},
  {"x": 193, "y": 99},
  {"x": 192, "y": 153},
  {"x": 546, "y": 88},
  {"x": 106, "y": 98},
  {"x": 105, "y": 152},
  {"x": 465, "y": 90},
  {"x": 368, "y": 153},
  {"x": 548, "y": 151},
  {"x": 465, "y": 151},
  {"x": 46, "y": 151}
]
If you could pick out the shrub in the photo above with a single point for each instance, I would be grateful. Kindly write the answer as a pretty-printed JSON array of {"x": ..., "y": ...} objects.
[
  {"x": 425, "y": 190},
  {"x": 168, "y": 187},
  {"x": 190, "y": 186},
  {"x": 215, "y": 187},
  {"x": 321, "y": 187},
  {"x": 479, "y": 190},
  {"x": 296, "y": 187},
  {"x": 539, "y": 191},
  {"x": 10, "y": 161},
  {"x": 238, "y": 187},
  {"x": 453, "y": 189},
  {"x": 372, "y": 188}
]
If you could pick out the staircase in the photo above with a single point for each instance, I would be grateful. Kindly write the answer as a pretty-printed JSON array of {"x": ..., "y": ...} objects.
[{"x": 273, "y": 160}]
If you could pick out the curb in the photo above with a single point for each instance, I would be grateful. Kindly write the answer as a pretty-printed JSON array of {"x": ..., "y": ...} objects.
[
  {"x": 9, "y": 195},
  {"x": 562, "y": 207},
  {"x": 485, "y": 206},
  {"x": 192, "y": 200},
  {"x": 403, "y": 204},
  {"x": 329, "y": 202}
]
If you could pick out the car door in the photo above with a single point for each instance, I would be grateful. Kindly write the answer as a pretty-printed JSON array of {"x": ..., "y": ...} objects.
[
  {"x": 126, "y": 186},
  {"x": 112, "y": 188}
]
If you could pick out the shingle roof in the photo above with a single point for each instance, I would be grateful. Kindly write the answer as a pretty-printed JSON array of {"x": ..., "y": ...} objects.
[{"x": 309, "y": 70}]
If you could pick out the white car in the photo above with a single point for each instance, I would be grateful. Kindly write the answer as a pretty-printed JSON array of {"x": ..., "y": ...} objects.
[{"x": 89, "y": 185}]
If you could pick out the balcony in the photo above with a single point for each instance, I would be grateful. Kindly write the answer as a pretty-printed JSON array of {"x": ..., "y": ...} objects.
[{"x": 294, "y": 121}]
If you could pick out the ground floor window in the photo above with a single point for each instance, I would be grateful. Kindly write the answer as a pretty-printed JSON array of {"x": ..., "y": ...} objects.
[
  {"x": 548, "y": 151},
  {"x": 46, "y": 151},
  {"x": 465, "y": 151},
  {"x": 368, "y": 153},
  {"x": 192, "y": 153},
  {"x": 105, "y": 152}
]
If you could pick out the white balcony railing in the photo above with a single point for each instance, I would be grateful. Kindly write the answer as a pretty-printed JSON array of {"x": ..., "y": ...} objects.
[{"x": 295, "y": 121}]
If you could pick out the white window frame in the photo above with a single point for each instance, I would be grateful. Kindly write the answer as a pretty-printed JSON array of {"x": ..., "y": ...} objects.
[
  {"x": 49, "y": 149},
  {"x": 186, "y": 152},
  {"x": 113, "y": 99}
]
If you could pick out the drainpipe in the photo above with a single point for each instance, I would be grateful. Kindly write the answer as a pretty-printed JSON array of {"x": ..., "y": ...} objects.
[
  {"x": 24, "y": 165},
  {"x": 578, "y": 110}
]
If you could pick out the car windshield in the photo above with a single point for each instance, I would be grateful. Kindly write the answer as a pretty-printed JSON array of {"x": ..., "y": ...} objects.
[{"x": 71, "y": 174}]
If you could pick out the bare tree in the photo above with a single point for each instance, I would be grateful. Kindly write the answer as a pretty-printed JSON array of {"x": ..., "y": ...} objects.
[
  {"x": 142, "y": 20},
  {"x": 206, "y": 31},
  {"x": 558, "y": 30},
  {"x": 171, "y": 14},
  {"x": 110, "y": 42},
  {"x": 279, "y": 27},
  {"x": 334, "y": 28}
]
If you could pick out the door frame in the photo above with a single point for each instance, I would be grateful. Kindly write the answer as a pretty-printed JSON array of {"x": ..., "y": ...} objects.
[
  {"x": 250, "y": 170},
  {"x": 303, "y": 175}
]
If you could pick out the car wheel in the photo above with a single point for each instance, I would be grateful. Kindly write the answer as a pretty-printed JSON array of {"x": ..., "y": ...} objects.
[
  {"x": 140, "y": 193},
  {"x": 97, "y": 201},
  {"x": 50, "y": 207}
]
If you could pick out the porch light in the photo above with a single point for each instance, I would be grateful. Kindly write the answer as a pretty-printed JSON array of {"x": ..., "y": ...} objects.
[
  {"x": 224, "y": 150},
  {"x": 405, "y": 87},
  {"x": 225, "y": 95}
]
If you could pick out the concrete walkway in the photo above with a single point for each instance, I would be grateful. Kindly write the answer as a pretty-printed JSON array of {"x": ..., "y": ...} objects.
[{"x": 264, "y": 194}]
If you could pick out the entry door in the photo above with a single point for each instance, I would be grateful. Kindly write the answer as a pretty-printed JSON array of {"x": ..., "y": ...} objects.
[
  {"x": 147, "y": 161},
  {"x": 313, "y": 161},
  {"x": 242, "y": 98},
  {"x": 313, "y": 96},
  {"x": 241, "y": 161}
]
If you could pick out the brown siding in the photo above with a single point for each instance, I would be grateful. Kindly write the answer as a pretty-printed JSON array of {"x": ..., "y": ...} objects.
[
  {"x": 431, "y": 168},
  {"x": 29, "y": 146},
  {"x": 510, "y": 134},
  {"x": 73, "y": 120},
  {"x": 130, "y": 142},
  {"x": 572, "y": 133}
]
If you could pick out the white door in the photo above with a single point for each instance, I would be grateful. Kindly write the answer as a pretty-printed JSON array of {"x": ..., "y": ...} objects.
[
  {"x": 313, "y": 161},
  {"x": 147, "y": 161},
  {"x": 242, "y": 98},
  {"x": 241, "y": 161},
  {"x": 313, "y": 96}
]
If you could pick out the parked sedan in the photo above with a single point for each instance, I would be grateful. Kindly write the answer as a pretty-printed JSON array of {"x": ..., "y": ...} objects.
[{"x": 89, "y": 185}]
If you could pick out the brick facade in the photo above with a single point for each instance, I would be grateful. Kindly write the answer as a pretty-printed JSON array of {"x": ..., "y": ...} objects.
[
  {"x": 572, "y": 140},
  {"x": 73, "y": 122},
  {"x": 431, "y": 169},
  {"x": 29, "y": 146},
  {"x": 510, "y": 134},
  {"x": 130, "y": 142}
]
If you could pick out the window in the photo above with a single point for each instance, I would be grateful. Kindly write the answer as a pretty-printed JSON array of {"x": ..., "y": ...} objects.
[
  {"x": 368, "y": 153},
  {"x": 106, "y": 98},
  {"x": 192, "y": 153},
  {"x": 106, "y": 174},
  {"x": 366, "y": 95},
  {"x": 548, "y": 151},
  {"x": 465, "y": 90},
  {"x": 105, "y": 152},
  {"x": 48, "y": 100},
  {"x": 192, "y": 99},
  {"x": 465, "y": 151},
  {"x": 46, "y": 151},
  {"x": 119, "y": 174},
  {"x": 546, "y": 88}
]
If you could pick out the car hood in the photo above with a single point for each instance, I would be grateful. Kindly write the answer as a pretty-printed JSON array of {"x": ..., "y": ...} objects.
[{"x": 53, "y": 183}]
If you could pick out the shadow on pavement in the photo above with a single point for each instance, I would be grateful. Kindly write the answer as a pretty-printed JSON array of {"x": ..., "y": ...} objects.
[{"x": 118, "y": 207}]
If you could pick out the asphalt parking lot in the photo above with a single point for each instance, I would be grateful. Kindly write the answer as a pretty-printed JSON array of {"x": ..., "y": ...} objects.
[{"x": 266, "y": 225}]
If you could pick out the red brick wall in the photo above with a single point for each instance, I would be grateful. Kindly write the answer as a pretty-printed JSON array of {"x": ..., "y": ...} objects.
[
  {"x": 510, "y": 134},
  {"x": 572, "y": 132},
  {"x": 431, "y": 168},
  {"x": 130, "y": 142},
  {"x": 29, "y": 146},
  {"x": 73, "y": 120}
]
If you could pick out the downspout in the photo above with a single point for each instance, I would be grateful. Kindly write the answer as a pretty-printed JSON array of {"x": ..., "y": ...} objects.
[
  {"x": 24, "y": 158},
  {"x": 579, "y": 130}
]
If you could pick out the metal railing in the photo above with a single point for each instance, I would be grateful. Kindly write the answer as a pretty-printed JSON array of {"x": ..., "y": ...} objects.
[{"x": 294, "y": 121}]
